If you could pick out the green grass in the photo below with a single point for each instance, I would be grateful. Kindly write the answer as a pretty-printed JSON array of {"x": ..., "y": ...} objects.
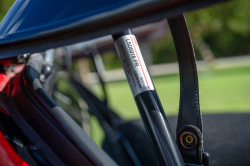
[
  {"x": 222, "y": 91},
  {"x": 226, "y": 90}
]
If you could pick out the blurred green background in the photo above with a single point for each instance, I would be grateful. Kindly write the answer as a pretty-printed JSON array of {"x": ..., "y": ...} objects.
[{"x": 222, "y": 30}]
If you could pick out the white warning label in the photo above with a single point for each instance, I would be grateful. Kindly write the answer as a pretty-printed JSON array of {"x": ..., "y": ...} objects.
[{"x": 133, "y": 64}]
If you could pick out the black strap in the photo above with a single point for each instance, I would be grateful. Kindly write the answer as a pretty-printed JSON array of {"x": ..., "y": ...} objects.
[{"x": 189, "y": 125}]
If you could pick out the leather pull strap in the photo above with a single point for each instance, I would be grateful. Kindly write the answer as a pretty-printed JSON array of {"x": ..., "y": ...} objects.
[{"x": 189, "y": 125}]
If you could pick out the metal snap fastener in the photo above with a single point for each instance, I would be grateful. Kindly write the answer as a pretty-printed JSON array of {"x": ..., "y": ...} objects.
[{"x": 188, "y": 140}]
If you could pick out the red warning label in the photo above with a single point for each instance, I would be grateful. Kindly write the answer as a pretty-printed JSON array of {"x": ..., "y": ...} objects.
[{"x": 133, "y": 64}]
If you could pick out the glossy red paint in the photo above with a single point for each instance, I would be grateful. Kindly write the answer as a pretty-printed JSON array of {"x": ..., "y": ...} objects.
[
  {"x": 4, "y": 111},
  {"x": 8, "y": 61},
  {"x": 8, "y": 157},
  {"x": 4, "y": 78}
]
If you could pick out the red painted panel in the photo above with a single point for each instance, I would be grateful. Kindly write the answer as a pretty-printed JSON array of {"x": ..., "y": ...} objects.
[
  {"x": 4, "y": 78},
  {"x": 8, "y": 157}
]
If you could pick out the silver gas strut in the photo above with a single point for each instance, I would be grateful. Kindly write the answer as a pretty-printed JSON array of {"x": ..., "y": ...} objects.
[{"x": 146, "y": 98}]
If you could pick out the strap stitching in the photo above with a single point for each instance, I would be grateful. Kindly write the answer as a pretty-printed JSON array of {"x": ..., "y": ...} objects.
[
  {"x": 190, "y": 48},
  {"x": 195, "y": 76},
  {"x": 181, "y": 75},
  {"x": 193, "y": 68}
]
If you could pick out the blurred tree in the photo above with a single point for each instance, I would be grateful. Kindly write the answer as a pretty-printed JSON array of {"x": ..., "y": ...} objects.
[
  {"x": 221, "y": 30},
  {"x": 224, "y": 27},
  {"x": 4, "y": 7}
]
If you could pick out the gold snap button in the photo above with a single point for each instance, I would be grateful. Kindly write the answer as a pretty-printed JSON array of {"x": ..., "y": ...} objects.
[{"x": 188, "y": 140}]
